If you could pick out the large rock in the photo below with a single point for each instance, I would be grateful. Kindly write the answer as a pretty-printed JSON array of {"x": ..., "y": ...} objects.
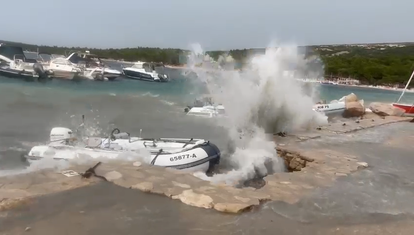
[
  {"x": 144, "y": 186},
  {"x": 383, "y": 109},
  {"x": 349, "y": 98},
  {"x": 232, "y": 207},
  {"x": 194, "y": 199},
  {"x": 113, "y": 175},
  {"x": 354, "y": 109}
]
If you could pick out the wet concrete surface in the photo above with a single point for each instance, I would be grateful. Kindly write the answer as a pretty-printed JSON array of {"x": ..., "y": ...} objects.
[{"x": 376, "y": 200}]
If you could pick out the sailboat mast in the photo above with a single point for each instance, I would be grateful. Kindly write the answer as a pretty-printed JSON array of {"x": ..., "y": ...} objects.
[{"x": 406, "y": 86}]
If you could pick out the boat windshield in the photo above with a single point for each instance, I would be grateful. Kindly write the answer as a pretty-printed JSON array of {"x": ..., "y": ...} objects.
[
  {"x": 12, "y": 51},
  {"x": 89, "y": 61},
  {"x": 138, "y": 65},
  {"x": 148, "y": 67}
]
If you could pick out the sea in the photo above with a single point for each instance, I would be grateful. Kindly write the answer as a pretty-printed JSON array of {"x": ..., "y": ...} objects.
[{"x": 28, "y": 111}]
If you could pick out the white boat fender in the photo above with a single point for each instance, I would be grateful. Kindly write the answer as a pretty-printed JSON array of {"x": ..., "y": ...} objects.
[{"x": 117, "y": 134}]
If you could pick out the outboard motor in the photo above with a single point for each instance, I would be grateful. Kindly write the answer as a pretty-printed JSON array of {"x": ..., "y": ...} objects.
[
  {"x": 99, "y": 77},
  {"x": 38, "y": 68},
  {"x": 61, "y": 135},
  {"x": 187, "y": 109},
  {"x": 163, "y": 77}
]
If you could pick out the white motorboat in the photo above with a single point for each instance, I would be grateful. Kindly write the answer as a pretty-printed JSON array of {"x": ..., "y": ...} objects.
[
  {"x": 204, "y": 107},
  {"x": 14, "y": 64},
  {"x": 184, "y": 154},
  {"x": 144, "y": 71},
  {"x": 332, "y": 108},
  {"x": 60, "y": 66},
  {"x": 93, "y": 67}
]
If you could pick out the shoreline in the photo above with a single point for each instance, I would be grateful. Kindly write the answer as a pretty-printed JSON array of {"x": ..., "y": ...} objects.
[
  {"x": 372, "y": 87},
  {"x": 185, "y": 187},
  {"x": 327, "y": 188},
  {"x": 319, "y": 82}
]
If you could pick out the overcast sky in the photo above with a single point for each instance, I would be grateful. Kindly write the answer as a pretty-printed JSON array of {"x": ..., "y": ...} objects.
[{"x": 215, "y": 24}]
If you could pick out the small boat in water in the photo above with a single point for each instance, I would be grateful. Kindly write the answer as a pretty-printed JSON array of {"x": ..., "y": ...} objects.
[
  {"x": 204, "y": 107},
  {"x": 183, "y": 154},
  {"x": 14, "y": 64},
  {"x": 144, "y": 71}
]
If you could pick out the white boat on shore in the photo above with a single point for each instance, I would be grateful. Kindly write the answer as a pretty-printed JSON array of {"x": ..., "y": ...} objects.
[
  {"x": 331, "y": 108},
  {"x": 179, "y": 153}
]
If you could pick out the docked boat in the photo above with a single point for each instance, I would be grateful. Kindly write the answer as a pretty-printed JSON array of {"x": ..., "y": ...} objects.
[
  {"x": 14, "y": 64},
  {"x": 93, "y": 67},
  {"x": 144, "y": 71},
  {"x": 184, "y": 154},
  {"x": 204, "y": 107},
  {"x": 60, "y": 66},
  {"x": 408, "y": 108},
  {"x": 328, "y": 83}
]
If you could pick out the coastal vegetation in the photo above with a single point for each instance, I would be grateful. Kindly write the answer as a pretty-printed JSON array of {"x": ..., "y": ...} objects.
[{"x": 377, "y": 64}]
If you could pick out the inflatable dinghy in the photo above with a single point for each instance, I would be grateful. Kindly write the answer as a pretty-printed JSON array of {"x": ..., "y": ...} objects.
[{"x": 184, "y": 154}]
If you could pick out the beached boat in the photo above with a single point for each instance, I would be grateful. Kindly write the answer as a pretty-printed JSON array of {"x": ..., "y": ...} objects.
[
  {"x": 144, "y": 71},
  {"x": 332, "y": 108},
  {"x": 184, "y": 154},
  {"x": 408, "y": 108},
  {"x": 14, "y": 64},
  {"x": 204, "y": 107}
]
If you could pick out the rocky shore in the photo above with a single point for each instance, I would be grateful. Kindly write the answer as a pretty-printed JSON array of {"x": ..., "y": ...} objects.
[{"x": 307, "y": 169}]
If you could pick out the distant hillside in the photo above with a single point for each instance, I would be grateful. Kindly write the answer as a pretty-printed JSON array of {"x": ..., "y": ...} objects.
[{"x": 375, "y": 63}]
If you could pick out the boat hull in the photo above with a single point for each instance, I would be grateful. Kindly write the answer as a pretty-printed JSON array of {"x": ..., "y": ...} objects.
[
  {"x": 10, "y": 73},
  {"x": 408, "y": 108},
  {"x": 334, "y": 108},
  {"x": 66, "y": 75},
  {"x": 202, "y": 157},
  {"x": 135, "y": 75},
  {"x": 205, "y": 111}
]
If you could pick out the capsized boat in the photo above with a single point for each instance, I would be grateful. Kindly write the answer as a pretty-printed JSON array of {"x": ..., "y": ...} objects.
[{"x": 183, "y": 154}]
